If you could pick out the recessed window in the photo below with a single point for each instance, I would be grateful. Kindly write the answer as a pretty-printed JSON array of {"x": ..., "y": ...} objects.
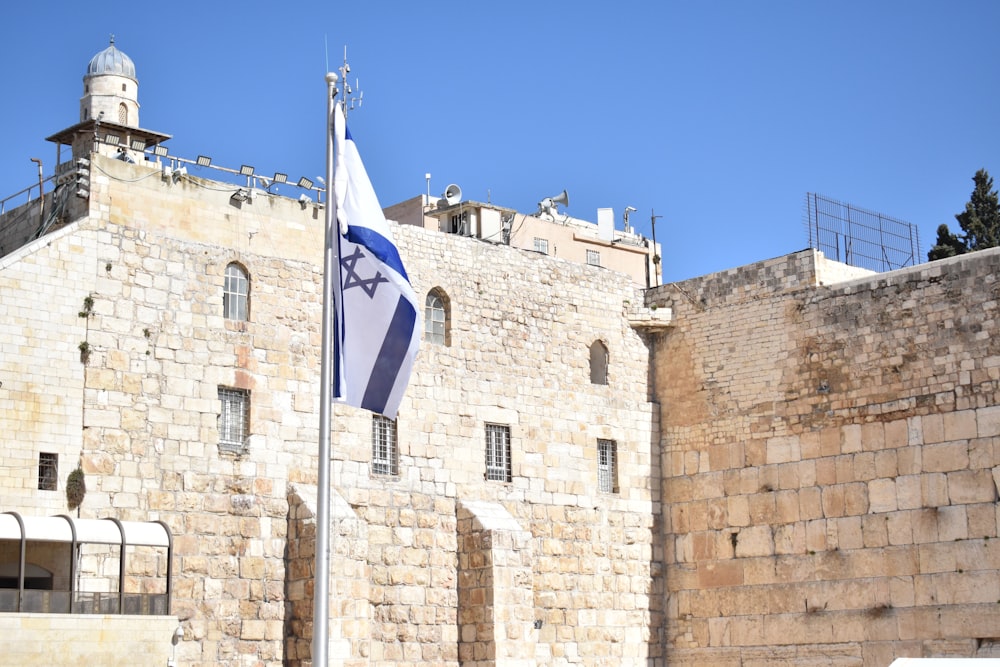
[
  {"x": 385, "y": 454},
  {"x": 542, "y": 245},
  {"x": 594, "y": 257},
  {"x": 48, "y": 471},
  {"x": 598, "y": 363},
  {"x": 122, "y": 113},
  {"x": 236, "y": 294},
  {"x": 460, "y": 223},
  {"x": 436, "y": 317},
  {"x": 607, "y": 466},
  {"x": 498, "y": 468},
  {"x": 234, "y": 419}
]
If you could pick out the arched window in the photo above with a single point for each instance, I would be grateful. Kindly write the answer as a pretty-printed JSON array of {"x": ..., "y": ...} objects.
[
  {"x": 436, "y": 325},
  {"x": 236, "y": 294},
  {"x": 122, "y": 114},
  {"x": 598, "y": 363}
]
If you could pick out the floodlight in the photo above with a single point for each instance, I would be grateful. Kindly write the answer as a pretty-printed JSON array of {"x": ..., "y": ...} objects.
[
  {"x": 204, "y": 161},
  {"x": 160, "y": 151},
  {"x": 305, "y": 183},
  {"x": 279, "y": 177},
  {"x": 138, "y": 145},
  {"x": 112, "y": 139},
  {"x": 239, "y": 197},
  {"x": 246, "y": 170}
]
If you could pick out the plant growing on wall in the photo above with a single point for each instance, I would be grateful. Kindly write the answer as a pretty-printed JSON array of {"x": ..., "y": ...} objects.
[{"x": 76, "y": 488}]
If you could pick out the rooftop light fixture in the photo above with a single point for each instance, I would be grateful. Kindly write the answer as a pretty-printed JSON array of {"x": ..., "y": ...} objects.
[
  {"x": 305, "y": 183},
  {"x": 246, "y": 170},
  {"x": 160, "y": 151},
  {"x": 204, "y": 161},
  {"x": 239, "y": 197},
  {"x": 112, "y": 139},
  {"x": 138, "y": 145},
  {"x": 279, "y": 177}
]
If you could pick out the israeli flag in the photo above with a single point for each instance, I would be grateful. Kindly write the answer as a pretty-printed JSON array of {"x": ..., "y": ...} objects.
[{"x": 377, "y": 326}]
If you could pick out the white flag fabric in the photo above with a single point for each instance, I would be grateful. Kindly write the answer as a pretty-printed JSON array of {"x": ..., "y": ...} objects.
[{"x": 377, "y": 324}]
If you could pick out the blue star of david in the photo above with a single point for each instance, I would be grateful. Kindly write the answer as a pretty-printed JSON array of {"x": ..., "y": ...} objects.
[{"x": 354, "y": 280}]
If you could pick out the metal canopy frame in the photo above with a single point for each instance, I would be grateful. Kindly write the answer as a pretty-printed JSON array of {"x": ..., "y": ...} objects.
[{"x": 66, "y": 529}]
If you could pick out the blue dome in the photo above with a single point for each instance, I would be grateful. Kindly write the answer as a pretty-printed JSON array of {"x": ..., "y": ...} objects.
[{"x": 111, "y": 61}]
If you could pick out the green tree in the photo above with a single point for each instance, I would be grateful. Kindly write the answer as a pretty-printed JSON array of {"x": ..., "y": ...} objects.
[{"x": 980, "y": 222}]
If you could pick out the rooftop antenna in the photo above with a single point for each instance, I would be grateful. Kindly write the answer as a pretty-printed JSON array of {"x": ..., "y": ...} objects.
[
  {"x": 350, "y": 102},
  {"x": 656, "y": 256},
  {"x": 628, "y": 210}
]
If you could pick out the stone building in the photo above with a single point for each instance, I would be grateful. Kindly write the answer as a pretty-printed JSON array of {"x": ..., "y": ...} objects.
[{"x": 789, "y": 462}]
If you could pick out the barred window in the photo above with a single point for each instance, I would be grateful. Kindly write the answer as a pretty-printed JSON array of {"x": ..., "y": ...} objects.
[
  {"x": 598, "y": 363},
  {"x": 594, "y": 257},
  {"x": 607, "y": 466},
  {"x": 385, "y": 453},
  {"x": 436, "y": 317},
  {"x": 48, "y": 471},
  {"x": 234, "y": 419},
  {"x": 498, "y": 467},
  {"x": 542, "y": 245},
  {"x": 236, "y": 294}
]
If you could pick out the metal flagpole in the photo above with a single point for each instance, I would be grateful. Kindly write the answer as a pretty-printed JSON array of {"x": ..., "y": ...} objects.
[{"x": 331, "y": 272}]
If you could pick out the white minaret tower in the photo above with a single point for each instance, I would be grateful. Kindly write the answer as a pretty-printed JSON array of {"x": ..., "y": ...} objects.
[
  {"x": 110, "y": 88},
  {"x": 109, "y": 113}
]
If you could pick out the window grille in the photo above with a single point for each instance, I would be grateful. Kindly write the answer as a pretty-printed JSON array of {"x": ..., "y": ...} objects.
[
  {"x": 435, "y": 319},
  {"x": 542, "y": 245},
  {"x": 234, "y": 419},
  {"x": 48, "y": 471},
  {"x": 607, "y": 466},
  {"x": 236, "y": 293},
  {"x": 594, "y": 257},
  {"x": 498, "y": 467},
  {"x": 122, "y": 112},
  {"x": 385, "y": 454}
]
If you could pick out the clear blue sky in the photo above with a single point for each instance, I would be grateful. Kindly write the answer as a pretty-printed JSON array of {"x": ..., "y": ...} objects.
[{"x": 718, "y": 115}]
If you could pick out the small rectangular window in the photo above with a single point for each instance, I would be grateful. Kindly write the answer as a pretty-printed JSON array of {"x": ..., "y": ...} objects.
[
  {"x": 607, "y": 466},
  {"x": 385, "y": 454},
  {"x": 594, "y": 257},
  {"x": 48, "y": 471},
  {"x": 234, "y": 419},
  {"x": 542, "y": 245},
  {"x": 498, "y": 468}
]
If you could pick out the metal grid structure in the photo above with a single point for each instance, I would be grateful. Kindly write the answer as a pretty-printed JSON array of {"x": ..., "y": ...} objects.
[
  {"x": 607, "y": 466},
  {"x": 859, "y": 237},
  {"x": 385, "y": 453},
  {"x": 234, "y": 419},
  {"x": 48, "y": 471},
  {"x": 498, "y": 467}
]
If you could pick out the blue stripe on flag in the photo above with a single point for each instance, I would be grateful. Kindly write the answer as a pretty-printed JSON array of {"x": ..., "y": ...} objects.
[
  {"x": 391, "y": 357},
  {"x": 379, "y": 246}
]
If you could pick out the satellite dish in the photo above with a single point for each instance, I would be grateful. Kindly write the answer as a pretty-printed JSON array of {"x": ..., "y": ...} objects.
[{"x": 453, "y": 194}]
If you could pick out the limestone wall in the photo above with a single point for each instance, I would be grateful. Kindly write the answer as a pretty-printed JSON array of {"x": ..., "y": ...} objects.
[
  {"x": 141, "y": 411},
  {"x": 830, "y": 462},
  {"x": 65, "y": 640}
]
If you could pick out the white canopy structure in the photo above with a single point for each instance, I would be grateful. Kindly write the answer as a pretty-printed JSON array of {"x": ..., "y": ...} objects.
[{"x": 66, "y": 529}]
